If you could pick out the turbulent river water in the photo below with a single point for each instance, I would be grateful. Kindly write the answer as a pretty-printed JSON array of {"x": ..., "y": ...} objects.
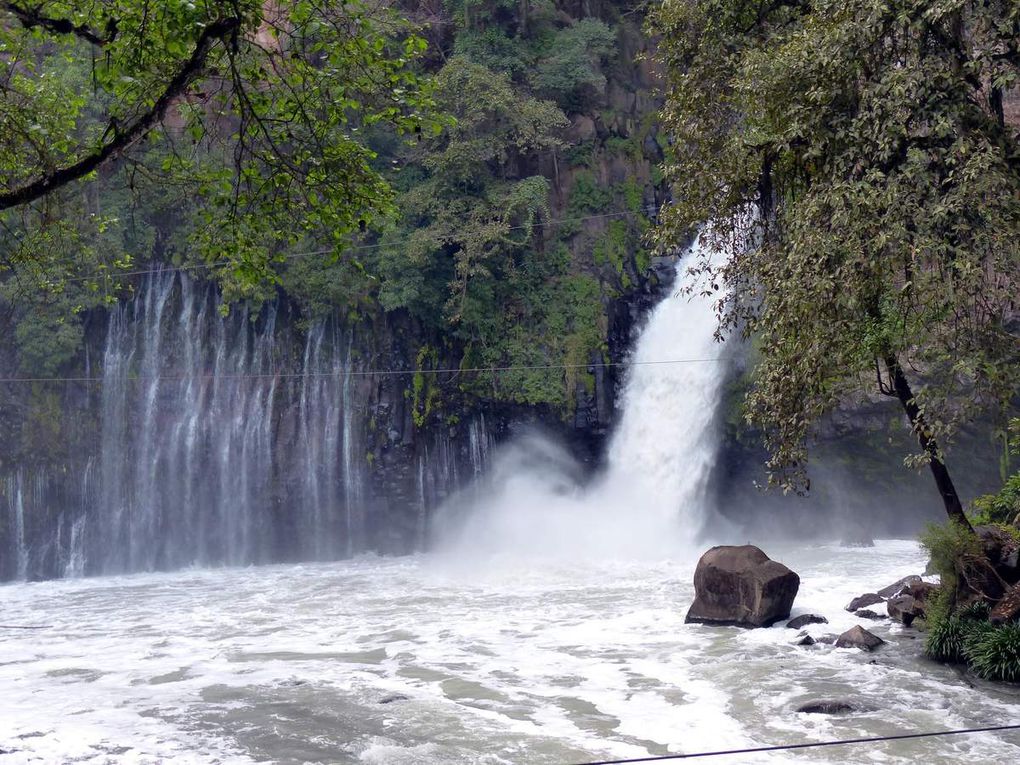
[{"x": 436, "y": 659}]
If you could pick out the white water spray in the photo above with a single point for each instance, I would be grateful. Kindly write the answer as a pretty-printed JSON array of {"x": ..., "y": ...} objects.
[{"x": 651, "y": 499}]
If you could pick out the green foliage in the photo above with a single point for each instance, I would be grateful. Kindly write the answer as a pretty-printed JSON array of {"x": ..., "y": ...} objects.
[
  {"x": 946, "y": 638},
  {"x": 495, "y": 50},
  {"x": 424, "y": 391},
  {"x": 211, "y": 100},
  {"x": 1002, "y": 507},
  {"x": 947, "y": 545},
  {"x": 588, "y": 196},
  {"x": 467, "y": 258},
  {"x": 869, "y": 134},
  {"x": 994, "y": 652},
  {"x": 571, "y": 70}
]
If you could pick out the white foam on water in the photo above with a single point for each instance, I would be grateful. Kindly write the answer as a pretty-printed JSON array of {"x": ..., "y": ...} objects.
[{"x": 552, "y": 664}]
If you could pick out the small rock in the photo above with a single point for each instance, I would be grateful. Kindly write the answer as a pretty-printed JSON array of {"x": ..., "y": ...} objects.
[
  {"x": 394, "y": 697},
  {"x": 868, "y": 599},
  {"x": 806, "y": 640},
  {"x": 828, "y": 707},
  {"x": 858, "y": 637},
  {"x": 898, "y": 586},
  {"x": 865, "y": 613},
  {"x": 804, "y": 620},
  {"x": 826, "y": 639}
]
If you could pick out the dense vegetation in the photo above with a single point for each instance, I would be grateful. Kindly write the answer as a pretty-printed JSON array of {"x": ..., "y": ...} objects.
[
  {"x": 873, "y": 138},
  {"x": 481, "y": 168}
]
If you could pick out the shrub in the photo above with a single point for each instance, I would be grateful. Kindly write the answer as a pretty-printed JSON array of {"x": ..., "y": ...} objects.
[
  {"x": 948, "y": 545},
  {"x": 951, "y": 635},
  {"x": 945, "y": 639},
  {"x": 994, "y": 652}
]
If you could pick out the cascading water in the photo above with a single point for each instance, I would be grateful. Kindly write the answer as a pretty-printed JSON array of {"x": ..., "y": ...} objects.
[
  {"x": 219, "y": 440},
  {"x": 652, "y": 494},
  {"x": 187, "y": 411},
  {"x": 331, "y": 479}
]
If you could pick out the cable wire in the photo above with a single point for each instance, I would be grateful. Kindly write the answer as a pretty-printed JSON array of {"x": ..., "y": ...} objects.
[
  {"x": 790, "y": 747},
  {"x": 354, "y": 372}
]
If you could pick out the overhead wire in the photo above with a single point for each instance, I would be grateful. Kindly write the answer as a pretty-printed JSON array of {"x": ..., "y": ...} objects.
[
  {"x": 353, "y": 372},
  {"x": 810, "y": 745}
]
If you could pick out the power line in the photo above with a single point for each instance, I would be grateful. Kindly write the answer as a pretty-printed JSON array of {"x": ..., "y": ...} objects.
[
  {"x": 789, "y": 747},
  {"x": 352, "y": 372},
  {"x": 650, "y": 210}
]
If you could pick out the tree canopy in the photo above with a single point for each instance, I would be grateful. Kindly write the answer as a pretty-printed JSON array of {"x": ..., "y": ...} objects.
[
  {"x": 873, "y": 137},
  {"x": 247, "y": 117}
]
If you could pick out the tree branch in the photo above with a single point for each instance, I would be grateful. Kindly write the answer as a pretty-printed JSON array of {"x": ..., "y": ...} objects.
[
  {"x": 33, "y": 17},
  {"x": 126, "y": 136}
]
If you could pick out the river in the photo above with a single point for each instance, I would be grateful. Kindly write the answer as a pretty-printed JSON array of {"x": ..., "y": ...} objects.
[{"x": 440, "y": 659}]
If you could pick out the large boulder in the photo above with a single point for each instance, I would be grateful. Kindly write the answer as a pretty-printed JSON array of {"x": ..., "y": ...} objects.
[{"x": 742, "y": 586}]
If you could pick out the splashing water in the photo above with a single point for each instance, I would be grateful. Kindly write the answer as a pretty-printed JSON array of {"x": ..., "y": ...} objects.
[{"x": 651, "y": 499}]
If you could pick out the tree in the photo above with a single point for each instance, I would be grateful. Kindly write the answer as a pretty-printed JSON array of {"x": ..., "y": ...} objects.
[
  {"x": 253, "y": 108},
  {"x": 871, "y": 135}
]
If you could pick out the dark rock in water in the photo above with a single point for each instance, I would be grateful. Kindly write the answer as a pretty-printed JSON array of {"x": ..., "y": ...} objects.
[
  {"x": 741, "y": 586},
  {"x": 905, "y": 608},
  {"x": 898, "y": 586},
  {"x": 1007, "y": 609},
  {"x": 864, "y": 613},
  {"x": 805, "y": 640},
  {"x": 829, "y": 639},
  {"x": 394, "y": 697},
  {"x": 804, "y": 620},
  {"x": 868, "y": 599},
  {"x": 829, "y": 707},
  {"x": 858, "y": 637}
]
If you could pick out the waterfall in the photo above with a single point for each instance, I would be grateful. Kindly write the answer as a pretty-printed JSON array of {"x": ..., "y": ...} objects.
[
  {"x": 331, "y": 476},
  {"x": 663, "y": 449},
  {"x": 188, "y": 453},
  {"x": 651, "y": 497},
  {"x": 15, "y": 492},
  {"x": 226, "y": 440},
  {"x": 185, "y": 448}
]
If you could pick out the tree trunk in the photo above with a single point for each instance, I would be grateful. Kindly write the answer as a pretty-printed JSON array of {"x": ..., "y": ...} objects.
[{"x": 901, "y": 389}]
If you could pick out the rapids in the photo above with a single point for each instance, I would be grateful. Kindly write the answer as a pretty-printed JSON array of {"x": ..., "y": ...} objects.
[{"x": 425, "y": 660}]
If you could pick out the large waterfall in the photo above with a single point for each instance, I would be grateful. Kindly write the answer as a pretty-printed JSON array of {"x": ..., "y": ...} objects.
[
  {"x": 236, "y": 440},
  {"x": 222, "y": 441},
  {"x": 651, "y": 497}
]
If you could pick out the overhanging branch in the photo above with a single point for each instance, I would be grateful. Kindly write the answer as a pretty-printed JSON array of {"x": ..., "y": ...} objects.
[
  {"x": 33, "y": 17},
  {"x": 126, "y": 135}
]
